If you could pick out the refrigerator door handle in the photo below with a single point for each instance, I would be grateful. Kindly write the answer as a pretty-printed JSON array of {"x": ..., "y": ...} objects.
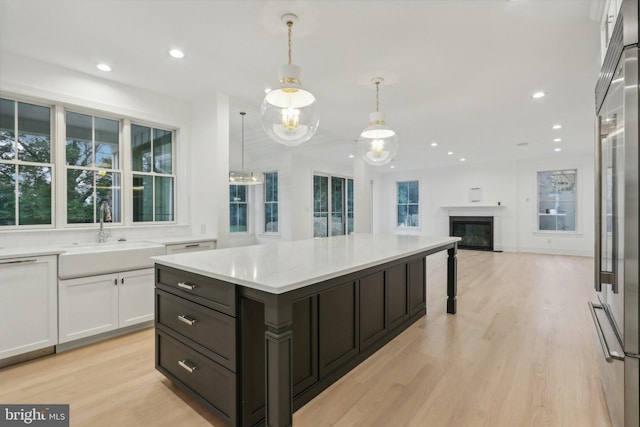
[{"x": 609, "y": 356}]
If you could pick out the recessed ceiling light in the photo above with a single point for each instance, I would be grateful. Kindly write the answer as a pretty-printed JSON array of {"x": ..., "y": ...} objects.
[
  {"x": 557, "y": 149},
  {"x": 522, "y": 144},
  {"x": 450, "y": 153},
  {"x": 392, "y": 166},
  {"x": 434, "y": 144},
  {"x": 556, "y": 127},
  {"x": 103, "y": 67},
  {"x": 557, "y": 140},
  {"x": 351, "y": 156},
  {"x": 538, "y": 95},
  {"x": 176, "y": 53},
  {"x": 463, "y": 159}
]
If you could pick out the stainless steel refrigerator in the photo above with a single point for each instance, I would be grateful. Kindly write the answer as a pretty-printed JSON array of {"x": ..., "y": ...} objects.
[{"x": 617, "y": 251}]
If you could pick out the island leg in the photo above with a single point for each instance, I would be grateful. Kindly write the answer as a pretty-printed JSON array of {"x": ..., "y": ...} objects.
[
  {"x": 278, "y": 356},
  {"x": 452, "y": 279}
]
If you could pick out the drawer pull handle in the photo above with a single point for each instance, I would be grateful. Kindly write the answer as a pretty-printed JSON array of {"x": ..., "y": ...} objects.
[
  {"x": 194, "y": 245},
  {"x": 186, "y": 366},
  {"x": 186, "y": 286},
  {"x": 186, "y": 319}
]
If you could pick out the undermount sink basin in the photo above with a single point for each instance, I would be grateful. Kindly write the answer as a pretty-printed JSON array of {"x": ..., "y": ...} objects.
[{"x": 90, "y": 259}]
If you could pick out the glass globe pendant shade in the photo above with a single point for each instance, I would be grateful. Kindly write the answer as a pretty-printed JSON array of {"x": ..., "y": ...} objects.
[
  {"x": 378, "y": 144},
  {"x": 289, "y": 112}
]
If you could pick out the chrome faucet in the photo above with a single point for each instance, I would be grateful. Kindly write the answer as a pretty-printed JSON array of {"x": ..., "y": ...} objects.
[{"x": 105, "y": 215}]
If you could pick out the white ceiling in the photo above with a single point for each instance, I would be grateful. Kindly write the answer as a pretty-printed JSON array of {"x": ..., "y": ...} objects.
[{"x": 458, "y": 72}]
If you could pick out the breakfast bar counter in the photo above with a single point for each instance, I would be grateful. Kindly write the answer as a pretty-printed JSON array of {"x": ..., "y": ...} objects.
[{"x": 255, "y": 332}]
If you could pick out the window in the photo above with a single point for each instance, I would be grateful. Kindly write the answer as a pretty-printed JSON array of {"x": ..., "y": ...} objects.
[
  {"x": 26, "y": 169},
  {"x": 332, "y": 197},
  {"x": 153, "y": 175},
  {"x": 408, "y": 204},
  {"x": 271, "y": 202},
  {"x": 557, "y": 200},
  {"x": 238, "y": 208},
  {"x": 92, "y": 153}
]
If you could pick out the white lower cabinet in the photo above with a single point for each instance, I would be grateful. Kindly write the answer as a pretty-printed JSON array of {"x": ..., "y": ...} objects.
[
  {"x": 28, "y": 304},
  {"x": 96, "y": 304}
]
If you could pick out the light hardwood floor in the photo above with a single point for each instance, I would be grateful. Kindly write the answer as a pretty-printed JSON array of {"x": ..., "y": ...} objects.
[{"x": 520, "y": 352}]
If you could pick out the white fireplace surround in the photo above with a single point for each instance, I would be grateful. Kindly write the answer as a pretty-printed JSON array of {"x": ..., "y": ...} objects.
[{"x": 481, "y": 210}]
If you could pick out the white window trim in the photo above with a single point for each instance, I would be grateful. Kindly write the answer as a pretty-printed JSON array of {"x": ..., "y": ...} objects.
[
  {"x": 579, "y": 197},
  {"x": 398, "y": 227}
]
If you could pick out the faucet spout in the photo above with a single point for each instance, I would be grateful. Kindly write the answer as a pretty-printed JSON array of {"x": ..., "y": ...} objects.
[{"x": 105, "y": 215}]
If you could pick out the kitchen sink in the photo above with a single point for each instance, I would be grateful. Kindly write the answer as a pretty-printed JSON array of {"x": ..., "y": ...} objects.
[{"x": 90, "y": 259}]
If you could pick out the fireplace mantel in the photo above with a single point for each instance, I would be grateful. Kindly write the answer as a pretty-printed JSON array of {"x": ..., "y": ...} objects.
[{"x": 475, "y": 206}]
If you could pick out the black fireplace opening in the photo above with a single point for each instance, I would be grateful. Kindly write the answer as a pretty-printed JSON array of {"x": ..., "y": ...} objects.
[{"x": 476, "y": 232}]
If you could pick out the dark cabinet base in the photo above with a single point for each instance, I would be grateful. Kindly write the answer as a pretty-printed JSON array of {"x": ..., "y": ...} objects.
[{"x": 308, "y": 338}]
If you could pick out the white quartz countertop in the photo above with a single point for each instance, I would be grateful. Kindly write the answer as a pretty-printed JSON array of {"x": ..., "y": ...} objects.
[
  {"x": 285, "y": 266},
  {"x": 29, "y": 251}
]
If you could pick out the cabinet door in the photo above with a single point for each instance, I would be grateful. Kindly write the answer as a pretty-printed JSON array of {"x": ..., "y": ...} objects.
[
  {"x": 397, "y": 295},
  {"x": 337, "y": 326},
  {"x": 88, "y": 306},
  {"x": 28, "y": 305},
  {"x": 373, "y": 320},
  {"x": 135, "y": 297}
]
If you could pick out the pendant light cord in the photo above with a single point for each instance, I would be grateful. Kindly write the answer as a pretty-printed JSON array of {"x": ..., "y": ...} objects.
[
  {"x": 377, "y": 97},
  {"x": 242, "y": 113},
  {"x": 289, "y": 25}
]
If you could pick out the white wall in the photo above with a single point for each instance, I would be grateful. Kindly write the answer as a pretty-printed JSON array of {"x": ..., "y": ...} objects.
[{"x": 513, "y": 184}]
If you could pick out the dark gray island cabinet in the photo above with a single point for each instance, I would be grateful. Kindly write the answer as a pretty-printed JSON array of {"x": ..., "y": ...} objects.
[{"x": 256, "y": 332}]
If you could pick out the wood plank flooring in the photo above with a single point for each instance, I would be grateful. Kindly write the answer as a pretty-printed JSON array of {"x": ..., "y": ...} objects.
[{"x": 520, "y": 352}]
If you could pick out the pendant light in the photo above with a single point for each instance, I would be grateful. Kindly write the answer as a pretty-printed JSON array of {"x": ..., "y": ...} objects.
[
  {"x": 242, "y": 177},
  {"x": 290, "y": 112},
  {"x": 378, "y": 143}
]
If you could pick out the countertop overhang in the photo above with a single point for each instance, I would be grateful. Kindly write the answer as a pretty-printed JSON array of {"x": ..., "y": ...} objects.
[{"x": 285, "y": 266}]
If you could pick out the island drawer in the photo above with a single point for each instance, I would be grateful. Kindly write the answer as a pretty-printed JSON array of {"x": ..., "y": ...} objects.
[
  {"x": 211, "y": 329},
  {"x": 212, "y": 382},
  {"x": 205, "y": 290}
]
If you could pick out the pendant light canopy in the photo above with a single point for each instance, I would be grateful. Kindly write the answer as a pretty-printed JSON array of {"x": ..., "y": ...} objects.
[
  {"x": 290, "y": 112},
  {"x": 378, "y": 143},
  {"x": 241, "y": 177}
]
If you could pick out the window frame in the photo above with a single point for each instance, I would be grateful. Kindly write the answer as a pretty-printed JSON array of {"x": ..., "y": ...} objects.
[
  {"x": 131, "y": 174},
  {"x": 275, "y": 202},
  {"x": 62, "y": 144},
  {"x": 17, "y": 162},
  {"x": 398, "y": 225},
  {"x": 538, "y": 214},
  {"x": 247, "y": 205}
]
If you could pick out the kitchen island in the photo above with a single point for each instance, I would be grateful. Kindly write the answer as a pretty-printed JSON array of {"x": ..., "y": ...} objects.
[{"x": 255, "y": 332}]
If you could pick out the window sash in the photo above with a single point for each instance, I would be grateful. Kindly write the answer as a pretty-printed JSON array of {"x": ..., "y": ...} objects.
[
  {"x": 408, "y": 204},
  {"x": 271, "y": 203},
  {"x": 27, "y": 172},
  {"x": 557, "y": 201}
]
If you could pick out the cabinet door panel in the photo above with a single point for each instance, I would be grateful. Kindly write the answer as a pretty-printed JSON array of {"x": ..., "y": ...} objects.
[
  {"x": 338, "y": 326},
  {"x": 28, "y": 305},
  {"x": 136, "y": 289},
  {"x": 88, "y": 306},
  {"x": 373, "y": 322},
  {"x": 305, "y": 344},
  {"x": 417, "y": 285},
  {"x": 397, "y": 295}
]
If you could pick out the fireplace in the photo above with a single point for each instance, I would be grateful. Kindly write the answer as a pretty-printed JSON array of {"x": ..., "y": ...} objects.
[{"x": 476, "y": 232}]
